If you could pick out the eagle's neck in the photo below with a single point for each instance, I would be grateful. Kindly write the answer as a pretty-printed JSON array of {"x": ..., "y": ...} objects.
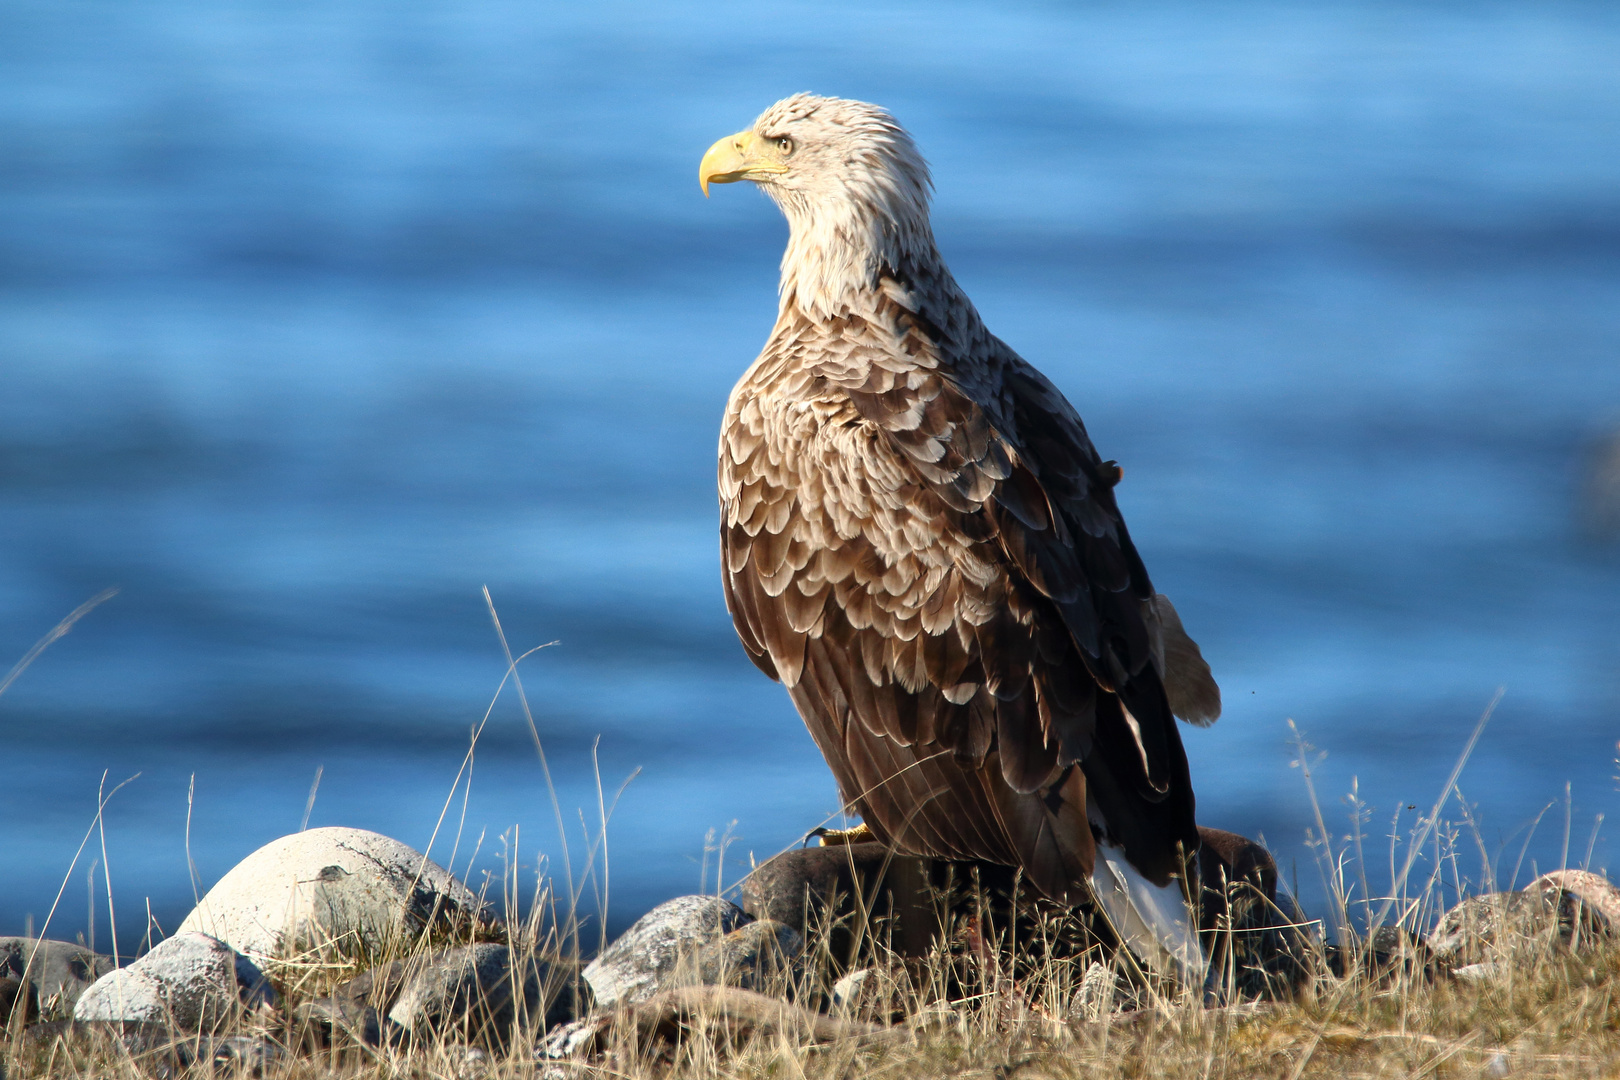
[{"x": 845, "y": 254}]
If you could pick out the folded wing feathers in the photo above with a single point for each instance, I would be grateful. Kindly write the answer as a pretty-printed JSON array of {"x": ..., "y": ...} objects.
[{"x": 952, "y": 601}]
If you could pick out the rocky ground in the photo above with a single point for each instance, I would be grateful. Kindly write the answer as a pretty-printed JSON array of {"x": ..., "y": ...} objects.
[{"x": 342, "y": 952}]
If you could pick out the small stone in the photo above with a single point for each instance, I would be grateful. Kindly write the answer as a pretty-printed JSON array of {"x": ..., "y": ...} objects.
[
  {"x": 637, "y": 965},
  {"x": 346, "y": 894},
  {"x": 1490, "y": 971},
  {"x": 846, "y": 992},
  {"x": 562, "y": 1053},
  {"x": 356, "y": 1010},
  {"x": 57, "y": 974},
  {"x": 1099, "y": 988},
  {"x": 476, "y": 993},
  {"x": 189, "y": 982}
]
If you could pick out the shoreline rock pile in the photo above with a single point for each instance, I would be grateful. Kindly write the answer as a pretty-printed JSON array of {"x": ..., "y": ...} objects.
[{"x": 338, "y": 937}]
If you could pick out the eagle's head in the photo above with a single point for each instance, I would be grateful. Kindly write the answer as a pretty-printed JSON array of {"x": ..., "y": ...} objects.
[
  {"x": 820, "y": 148},
  {"x": 850, "y": 181}
]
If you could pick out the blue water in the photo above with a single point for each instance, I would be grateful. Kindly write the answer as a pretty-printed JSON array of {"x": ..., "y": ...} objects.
[{"x": 317, "y": 318}]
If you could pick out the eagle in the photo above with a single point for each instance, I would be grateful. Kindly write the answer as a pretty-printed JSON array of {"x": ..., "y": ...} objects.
[{"x": 920, "y": 542}]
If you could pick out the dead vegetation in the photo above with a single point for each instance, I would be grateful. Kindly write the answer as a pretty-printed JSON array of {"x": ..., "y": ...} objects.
[
  {"x": 997, "y": 993},
  {"x": 983, "y": 1002}
]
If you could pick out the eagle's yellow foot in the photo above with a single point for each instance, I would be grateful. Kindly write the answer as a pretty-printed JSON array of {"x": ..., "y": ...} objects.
[{"x": 860, "y": 834}]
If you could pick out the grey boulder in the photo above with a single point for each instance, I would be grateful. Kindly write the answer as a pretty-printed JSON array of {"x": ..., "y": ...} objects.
[
  {"x": 645, "y": 958},
  {"x": 189, "y": 982},
  {"x": 48, "y": 976},
  {"x": 1563, "y": 909}
]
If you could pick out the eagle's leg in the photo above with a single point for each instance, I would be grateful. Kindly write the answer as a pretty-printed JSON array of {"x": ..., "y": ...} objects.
[{"x": 860, "y": 834}]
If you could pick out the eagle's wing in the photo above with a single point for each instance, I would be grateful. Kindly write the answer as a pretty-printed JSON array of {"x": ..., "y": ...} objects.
[
  {"x": 1188, "y": 682},
  {"x": 1079, "y": 488},
  {"x": 943, "y": 581}
]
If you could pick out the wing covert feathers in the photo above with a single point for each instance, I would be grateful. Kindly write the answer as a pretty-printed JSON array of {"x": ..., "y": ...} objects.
[{"x": 918, "y": 539}]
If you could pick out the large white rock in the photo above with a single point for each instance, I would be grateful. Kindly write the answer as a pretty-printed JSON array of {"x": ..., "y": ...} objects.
[
  {"x": 347, "y": 892},
  {"x": 190, "y": 982}
]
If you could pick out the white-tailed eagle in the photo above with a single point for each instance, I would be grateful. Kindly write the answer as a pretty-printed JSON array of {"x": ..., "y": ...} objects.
[{"x": 919, "y": 540}]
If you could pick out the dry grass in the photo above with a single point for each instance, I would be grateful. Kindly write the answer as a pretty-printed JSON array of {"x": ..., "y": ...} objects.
[
  {"x": 981, "y": 1003},
  {"x": 980, "y": 1006},
  {"x": 1552, "y": 1014}
]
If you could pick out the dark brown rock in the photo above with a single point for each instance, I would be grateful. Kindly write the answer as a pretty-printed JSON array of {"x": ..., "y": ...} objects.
[
  {"x": 1257, "y": 946},
  {"x": 796, "y": 887},
  {"x": 840, "y": 890}
]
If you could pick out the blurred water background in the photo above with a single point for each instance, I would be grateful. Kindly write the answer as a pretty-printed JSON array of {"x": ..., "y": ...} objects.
[{"x": 315, "y": 318}]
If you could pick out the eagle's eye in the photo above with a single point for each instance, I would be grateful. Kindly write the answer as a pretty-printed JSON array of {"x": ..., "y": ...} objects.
[{"x": 785, "y": 145}]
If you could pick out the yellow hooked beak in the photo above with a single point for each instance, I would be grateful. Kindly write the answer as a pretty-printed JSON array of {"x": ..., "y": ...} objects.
[{"x": 742, "y": 156}]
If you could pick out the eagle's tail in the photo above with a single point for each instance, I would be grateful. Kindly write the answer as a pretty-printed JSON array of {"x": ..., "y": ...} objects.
[{"x": 1153, "y": 921}]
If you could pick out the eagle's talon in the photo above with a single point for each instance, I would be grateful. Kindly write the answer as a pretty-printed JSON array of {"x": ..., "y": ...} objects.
[{"x": 860, "y": 834}]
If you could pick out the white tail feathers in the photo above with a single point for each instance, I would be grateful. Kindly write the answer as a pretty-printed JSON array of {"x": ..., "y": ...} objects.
[{"x": 1152, "y": 920}]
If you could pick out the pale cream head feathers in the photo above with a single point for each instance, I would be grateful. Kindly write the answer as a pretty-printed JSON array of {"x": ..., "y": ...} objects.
[{"x": 851, "y": 183}]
